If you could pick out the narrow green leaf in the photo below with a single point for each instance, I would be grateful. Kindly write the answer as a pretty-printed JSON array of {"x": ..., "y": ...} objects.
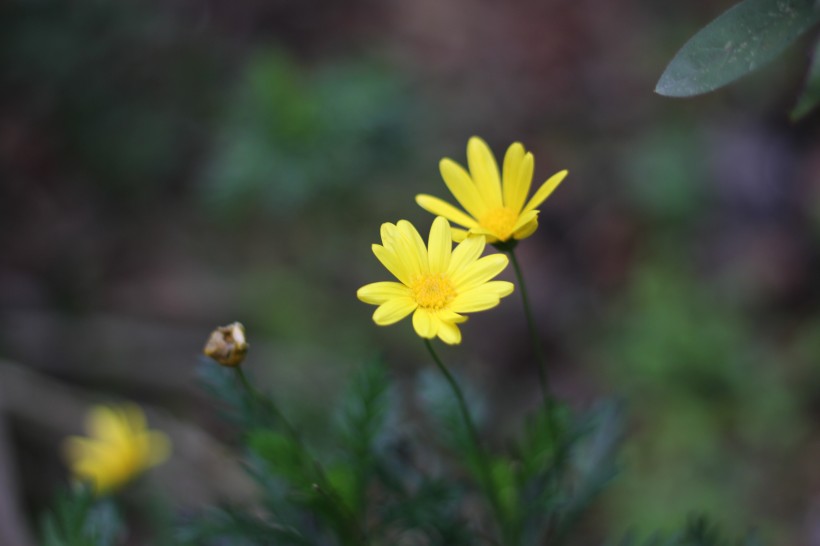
[
  {"x": 744, "y": 38},
  {"x": 810, "y": 96}
]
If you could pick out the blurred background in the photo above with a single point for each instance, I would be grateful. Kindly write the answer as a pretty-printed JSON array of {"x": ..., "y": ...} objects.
[{"x": 166, "y": 167}]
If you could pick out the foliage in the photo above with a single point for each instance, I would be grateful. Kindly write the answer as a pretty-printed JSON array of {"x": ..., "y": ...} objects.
[
  {"x": 698, "y": 531},
  {"x": 698, "y": 385},
  {"x": 76, "y": 520},
  {"x": 294, "y": 132},
  {"x": 377, "y": 485},
  {"x": 743, "y": 39}
]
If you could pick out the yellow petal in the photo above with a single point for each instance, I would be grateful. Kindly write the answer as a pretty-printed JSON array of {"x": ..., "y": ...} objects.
[
  {"x": 486, "y": 234},
  {"x": 447, "y": 315},
  {"x": 77, "y": 448},
  {"x": 102, "y": 422},
  {"x": 459, "y": 234},
  {"x": 545, "y": 190},
  {"x": 440, "y": 245},
  {"x": 403, "y": 241},
  {"x": 522, "y": 184},
  {"x": 475, "y": 300},
  {"x": 524, "y": 219},
  {"x": 465, "y": 254},
  {"x": 442, "y": 208},
  {"x": 449, "y": 333},
  {"x": 377, "y": 293},
  {"x": 509, "y": 177},
  {"x": 462, "y": 187},
  {"x": 387, "y": 232},
  {"x": 526, "y": 230},
  {"x": 392, "y": 263},
  {"x": 479, "y": 272},
  {"x": 392, "y": 311},
  {"x": 480, "y": 231},
  {"x": 425, "y": 323},
  {"x": 499, "y": 288},
  {"x": 484, "y": 172},
  {"x": 133, "y": 417}
]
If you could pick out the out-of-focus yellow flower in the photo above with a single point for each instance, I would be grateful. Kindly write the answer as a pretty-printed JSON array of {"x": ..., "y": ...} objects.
[
  {"x": 119, "y": 447},
  {"x": 227, "y": 345},
  {"x": 437, "y": 283},
  {"x": 495, "y": 205}
]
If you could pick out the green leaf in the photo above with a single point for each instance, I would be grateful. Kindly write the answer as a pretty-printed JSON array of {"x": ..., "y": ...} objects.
[
  {"x": 744, "y": 38},
  {"x": 284, "y": 457},
  {"x": 810, "y": 96},
  {"x": 363, "y": 415}
]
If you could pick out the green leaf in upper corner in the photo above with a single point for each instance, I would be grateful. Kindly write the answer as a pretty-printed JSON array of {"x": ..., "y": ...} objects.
[
  {"x": 810, "y": 96},
  {"x": 738, "y": 42}
]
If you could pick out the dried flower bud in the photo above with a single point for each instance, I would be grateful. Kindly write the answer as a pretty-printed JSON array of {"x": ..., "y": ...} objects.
[{"x": 227, "y": 345}]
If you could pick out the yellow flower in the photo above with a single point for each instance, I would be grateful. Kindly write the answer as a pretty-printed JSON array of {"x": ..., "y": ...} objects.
[
  {"x": 119, "y": 447},
  {"x": 437, "y": 282},
  {"x": 495, "y": 205}
]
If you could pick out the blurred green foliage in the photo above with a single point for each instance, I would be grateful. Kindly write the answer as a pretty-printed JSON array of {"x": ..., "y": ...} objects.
[
  {"x": 293, "y": 133},
  {"x": 707, "y": 401}
]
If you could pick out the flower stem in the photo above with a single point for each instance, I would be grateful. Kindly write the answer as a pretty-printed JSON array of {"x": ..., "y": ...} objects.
[
  {"x": 260, "y": 400},
  {"x": 323, "y": 487},
  {"x": 483, "y": 464},
  {"x": 536, "y": 345}
]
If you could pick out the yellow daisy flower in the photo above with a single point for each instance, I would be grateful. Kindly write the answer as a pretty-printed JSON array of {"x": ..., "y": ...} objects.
[
  {"x": 495, "y": 205},
  {"x": 119, "y": 447},
  {"x": 436, "y": 282}
]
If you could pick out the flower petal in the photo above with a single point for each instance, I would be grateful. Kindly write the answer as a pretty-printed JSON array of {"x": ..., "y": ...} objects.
[
  {"x": 459, "y": 234},
  {"x": 442, "y": 208},
  {"x": 392, "y": 311},
  {"x": 475, "y": 300},
  {"x": 387, "y": 232},
  {"x": 407, "y": 248},
  {"x": 545, "y": 190},
  {"x": 482, "y": 297},
  {"x": 484, "y": 233},
  {"x": 425, "y": 323},
  {"x": 465, "y": 254},
  {"x": 416, "y": 252},
  {"x": 440, "y": 245},
  {"x": 449, "y": 333},
  {"x": 509, "y": 177},
  {"x": 499, "y": 288},
  {"x": 104, "y": 424},
  {"x": 462, "y": 187},
  {"x": 392, "y": 263},
  {"x": 479, "y": 272},
  {"x": 446, "y": 315},
  {"x": 133, "y": 416},
  {"x": 520, "y": 186},
  {"x": 484, "y": 172},
  {"x": 526, "y": 230},
  {"x": 524, "y": 219},
  {"x": 78, "y": 448},
  {"x": 377, "y": 293}
]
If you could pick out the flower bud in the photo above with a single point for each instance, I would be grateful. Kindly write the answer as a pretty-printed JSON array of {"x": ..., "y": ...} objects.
[{"x": 227, "y": 345}]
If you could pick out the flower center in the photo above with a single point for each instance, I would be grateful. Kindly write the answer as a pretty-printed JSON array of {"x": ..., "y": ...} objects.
[
  {"x": 432, "y": 290},
  {"x": 500, "y": 222}
]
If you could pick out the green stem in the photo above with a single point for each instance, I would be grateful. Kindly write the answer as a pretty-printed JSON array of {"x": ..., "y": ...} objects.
[
  {"x": 536, "y": 344},
  {"x": 323, "y": 485},
  {"x": 484, "y": 468},
  {"x": 260, "y": 400}
]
